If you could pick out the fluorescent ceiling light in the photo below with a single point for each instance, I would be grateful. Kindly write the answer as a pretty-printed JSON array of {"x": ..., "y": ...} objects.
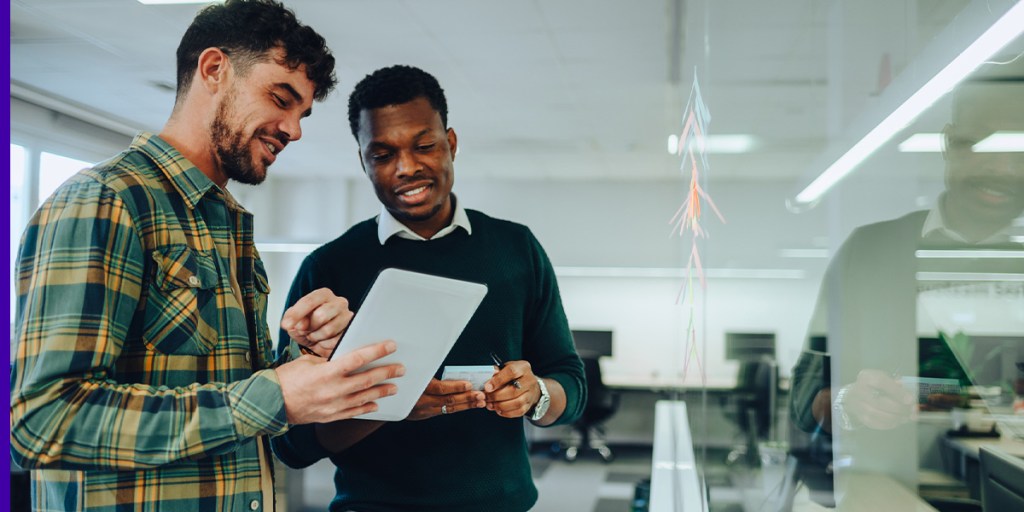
[
  {"x": 673, "y": 144},
  {"x": 922, "y": 143},
  {"x": 968, "y": 254},
  {"x": 803, "y": 253},
  {"x": 718, "y": 144},
  {"x": 1001, "y": 142},
  {"x": 161, "y": 2},
  {"x": 678, "y": 273},
  {"x": 729, "y": 144},
  {"x": 1004, "y": 30}
]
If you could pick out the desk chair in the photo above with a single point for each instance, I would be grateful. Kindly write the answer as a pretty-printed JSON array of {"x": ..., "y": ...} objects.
[
  {"x": 753, "y": 414},
  {"x": 602, "y": 403}
]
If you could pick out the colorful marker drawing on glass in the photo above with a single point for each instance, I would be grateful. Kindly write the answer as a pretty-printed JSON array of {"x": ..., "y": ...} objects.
[{"x": 686, "y": 221}]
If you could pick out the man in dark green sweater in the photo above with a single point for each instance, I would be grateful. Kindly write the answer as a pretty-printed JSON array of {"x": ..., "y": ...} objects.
[{"x": 460, "y": 449}]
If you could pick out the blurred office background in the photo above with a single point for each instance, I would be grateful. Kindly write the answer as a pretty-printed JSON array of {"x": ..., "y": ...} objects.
[{"x": 565, "y": 111}]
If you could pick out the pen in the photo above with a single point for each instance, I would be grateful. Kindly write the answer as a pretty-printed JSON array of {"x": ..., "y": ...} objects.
[{"x": 500, "y": 365}]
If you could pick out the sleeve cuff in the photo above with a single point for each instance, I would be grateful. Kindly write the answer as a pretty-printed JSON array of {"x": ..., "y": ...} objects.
[
  {"x": 257, "y": 406},
  {"x": 299, "y": 447},
  {"x": 573, "y": 398}
]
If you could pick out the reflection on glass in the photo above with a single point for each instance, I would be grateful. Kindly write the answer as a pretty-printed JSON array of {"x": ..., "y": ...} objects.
[{"x": 920, "y": 322}]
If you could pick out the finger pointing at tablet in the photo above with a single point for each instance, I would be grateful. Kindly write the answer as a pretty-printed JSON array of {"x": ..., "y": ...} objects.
[{"x": 317, "y": 321}]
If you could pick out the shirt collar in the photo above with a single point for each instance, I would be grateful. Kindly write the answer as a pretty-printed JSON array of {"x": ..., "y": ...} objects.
[
  {"x": 935, "y": 224},
  {"x": 388, "y": 225},
  {"x": 186, "y": 178}
]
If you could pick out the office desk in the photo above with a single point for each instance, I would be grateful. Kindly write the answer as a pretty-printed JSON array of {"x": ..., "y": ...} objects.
[
  {"x": 963, "y": 457},
  {"x": 675, "y": 485}
]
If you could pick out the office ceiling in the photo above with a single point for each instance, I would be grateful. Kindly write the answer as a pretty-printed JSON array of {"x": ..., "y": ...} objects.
[{"x": 542, "y": 89}]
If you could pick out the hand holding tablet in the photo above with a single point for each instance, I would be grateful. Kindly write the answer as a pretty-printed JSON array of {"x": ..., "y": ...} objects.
[{"x": 424, "y": 315}]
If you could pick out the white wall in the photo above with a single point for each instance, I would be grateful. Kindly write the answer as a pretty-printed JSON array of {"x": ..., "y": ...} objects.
[
  {"x": 602, "y": 224},
  {"x": 588, "y": 224}
]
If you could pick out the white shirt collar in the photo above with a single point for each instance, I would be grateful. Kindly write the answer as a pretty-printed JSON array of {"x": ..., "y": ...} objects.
[
  {"x": 935, "y": 223},
  {"x": 388, "y": 225}
]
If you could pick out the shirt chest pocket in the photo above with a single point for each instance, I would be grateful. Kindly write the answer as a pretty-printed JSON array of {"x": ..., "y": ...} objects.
[{"x": 182, "y": 316}]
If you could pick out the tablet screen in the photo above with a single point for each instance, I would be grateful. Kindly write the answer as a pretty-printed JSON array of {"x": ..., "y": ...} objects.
[{"x": 424, "y": 314}]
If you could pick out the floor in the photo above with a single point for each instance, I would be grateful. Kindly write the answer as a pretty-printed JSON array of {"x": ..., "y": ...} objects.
[{"x": 591, "y": 485}]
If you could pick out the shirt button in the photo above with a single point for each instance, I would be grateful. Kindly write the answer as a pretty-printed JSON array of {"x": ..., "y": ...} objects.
[
  {"x": 247, "y": 359},
  {"x": 254, "y": 505},
  {"x": 193, "y": 281}
]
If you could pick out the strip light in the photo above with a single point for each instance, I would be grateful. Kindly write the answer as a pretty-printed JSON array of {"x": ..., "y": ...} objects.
[
  {"x": 1001, "y": 142},
  {"x": 718, "y": 144},
  {"x": 922, "y": 143},
  {"x": 968, "y": 254},
  {"x": 1004, "y": 30},
  {"x": 676, "y": 273}
]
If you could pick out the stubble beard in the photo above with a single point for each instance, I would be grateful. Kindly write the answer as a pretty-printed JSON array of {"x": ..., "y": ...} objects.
[{"x": 232, "y": 147}]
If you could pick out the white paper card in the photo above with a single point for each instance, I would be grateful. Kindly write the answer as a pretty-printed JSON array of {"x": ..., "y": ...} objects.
[{"x": 477, "y": 375}]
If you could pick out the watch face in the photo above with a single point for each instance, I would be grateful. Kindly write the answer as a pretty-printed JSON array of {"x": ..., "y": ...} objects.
[{"x": 541, "y": 408}]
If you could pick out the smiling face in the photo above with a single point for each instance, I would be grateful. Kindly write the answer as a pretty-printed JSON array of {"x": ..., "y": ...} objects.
[
  {"x": 408, "y": 155},
  {"x": 258, "y": 115},
  {"x": 982, "y": 187}
]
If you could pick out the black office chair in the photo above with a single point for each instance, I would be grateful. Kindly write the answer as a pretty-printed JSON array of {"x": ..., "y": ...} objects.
[
  {"x": 602, "y": 403},
  {"x": 752, "y": 400}
]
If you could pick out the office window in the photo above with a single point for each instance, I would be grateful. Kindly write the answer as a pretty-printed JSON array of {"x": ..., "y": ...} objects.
[
  {"x": 54, "y": 170},
  {"x": 18, "y": 162}
]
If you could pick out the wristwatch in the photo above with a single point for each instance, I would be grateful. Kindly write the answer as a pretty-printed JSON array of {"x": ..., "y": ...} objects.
[{"x": 541, "y": 407}]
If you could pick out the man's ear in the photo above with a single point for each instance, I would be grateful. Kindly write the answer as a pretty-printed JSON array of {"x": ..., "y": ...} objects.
[
  {"x": 214, "y": 69},
  {"x": 453, "y": 142}
]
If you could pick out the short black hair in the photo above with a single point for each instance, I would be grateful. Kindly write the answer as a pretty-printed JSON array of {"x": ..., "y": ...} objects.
[
  {"x": 395, "y": 85},
  {"x": 247, "y": 30}
]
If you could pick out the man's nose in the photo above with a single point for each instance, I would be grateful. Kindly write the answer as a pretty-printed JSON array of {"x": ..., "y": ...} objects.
[
  {"x": 406, "y": 164},
  {"x": 292, "y": 127}
]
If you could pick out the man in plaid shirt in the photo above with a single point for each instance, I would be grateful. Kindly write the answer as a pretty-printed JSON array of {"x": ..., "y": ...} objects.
[{"x": 143, "y": 378}]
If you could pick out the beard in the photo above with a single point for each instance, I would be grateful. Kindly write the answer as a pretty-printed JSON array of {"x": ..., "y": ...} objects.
[{"x": 233, "y": 149}]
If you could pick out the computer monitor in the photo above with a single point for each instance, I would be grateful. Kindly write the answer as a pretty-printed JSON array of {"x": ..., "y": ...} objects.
[
  {"x": 987, "y": 360},
  {"x": 1002, "y": 480},
  {"x": 747, "y": 346},
  {"x": 593, "y": 343}
]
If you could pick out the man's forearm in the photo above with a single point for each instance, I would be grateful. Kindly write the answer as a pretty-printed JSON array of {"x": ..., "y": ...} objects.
[{"x": 50, "y": 431}]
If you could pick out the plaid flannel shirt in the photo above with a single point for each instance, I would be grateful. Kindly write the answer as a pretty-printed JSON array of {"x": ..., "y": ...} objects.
[{"x": 142, "y": 380}]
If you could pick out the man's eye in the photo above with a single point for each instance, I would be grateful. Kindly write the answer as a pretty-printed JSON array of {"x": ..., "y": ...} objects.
[
  {"x": 280, "y": 101},
  {"x": 380, "y": 157},
  {"x": 425, "y": 147}
]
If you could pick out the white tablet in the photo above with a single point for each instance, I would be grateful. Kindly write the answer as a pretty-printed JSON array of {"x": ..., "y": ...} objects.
[{"x": 424, "y": 314}]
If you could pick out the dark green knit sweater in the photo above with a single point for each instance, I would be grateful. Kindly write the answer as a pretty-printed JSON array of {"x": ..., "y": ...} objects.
[{"x": 472, "y": 460}]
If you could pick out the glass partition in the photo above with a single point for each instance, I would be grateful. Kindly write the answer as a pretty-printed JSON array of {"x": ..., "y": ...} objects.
[{"x": 905, "y": 122}]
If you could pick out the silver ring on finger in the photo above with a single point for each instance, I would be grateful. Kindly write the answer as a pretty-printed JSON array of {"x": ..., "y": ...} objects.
[{"x": 444, "y": 409}]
